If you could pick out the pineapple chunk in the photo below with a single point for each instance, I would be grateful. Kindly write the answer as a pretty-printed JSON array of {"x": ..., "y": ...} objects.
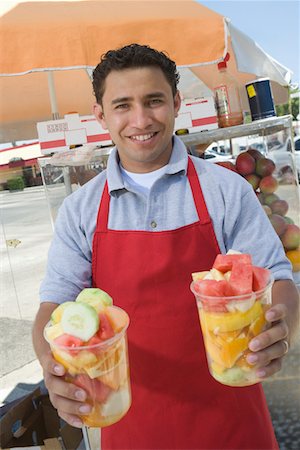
[
  {"x": 53, "y": 332},
  {"x": 227, "y": 275},
  {"x": 199, "y": 275},
  {"x": 217, "y": 275}
]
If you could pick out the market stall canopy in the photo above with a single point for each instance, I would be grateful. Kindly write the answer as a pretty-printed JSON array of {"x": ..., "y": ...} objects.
[{"x": 53, "y": 46}]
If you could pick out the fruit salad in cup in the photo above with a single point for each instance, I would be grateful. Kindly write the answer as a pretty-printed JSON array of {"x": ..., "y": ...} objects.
[
  {"x": 232, "y": 300},
  {"x": 88, "y": 337}
]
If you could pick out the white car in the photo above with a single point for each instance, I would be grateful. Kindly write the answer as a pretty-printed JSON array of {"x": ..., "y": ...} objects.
[
  {"x": 297, "y": 155},
  {"x": 283, "y": 157}
]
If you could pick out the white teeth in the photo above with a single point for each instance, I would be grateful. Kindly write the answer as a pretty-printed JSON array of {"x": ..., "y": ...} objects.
[{"x": 143, "y": 137}]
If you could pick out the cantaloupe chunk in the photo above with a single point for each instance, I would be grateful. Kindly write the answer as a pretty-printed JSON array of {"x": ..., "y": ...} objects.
[{"x": 117, "y": 318}]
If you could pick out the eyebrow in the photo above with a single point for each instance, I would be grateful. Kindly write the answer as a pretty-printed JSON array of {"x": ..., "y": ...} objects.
[{"x": 127, "y": 99}]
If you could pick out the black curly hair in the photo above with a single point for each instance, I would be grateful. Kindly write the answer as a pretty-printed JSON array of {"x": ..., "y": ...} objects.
[{"x": 133, "y": 56}]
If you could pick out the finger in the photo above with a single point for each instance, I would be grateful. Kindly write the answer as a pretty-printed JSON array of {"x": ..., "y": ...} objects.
[
  {"x": 276, "y": 312},
  {"x": 58, "y": 386},
  {"x": 71, "y": 407},
  {"x": 269, "y": 337},
  {"x": 50, "y": 365},
  {"x": 270, "y": 369},
  {"x": 264, "y": 357}
]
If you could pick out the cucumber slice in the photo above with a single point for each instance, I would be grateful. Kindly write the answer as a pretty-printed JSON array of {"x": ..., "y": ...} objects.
[
  {"x": 95, "y": 297},
  {"x": 58, "y": 312},
  {"x": 80, "y": 320}
]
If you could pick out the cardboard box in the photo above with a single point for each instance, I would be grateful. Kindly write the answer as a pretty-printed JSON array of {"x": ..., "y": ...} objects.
[{"x": 33, "y": 423}]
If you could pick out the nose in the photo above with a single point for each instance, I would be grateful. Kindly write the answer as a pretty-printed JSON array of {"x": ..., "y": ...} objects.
[{"x": 141, "y": 117}]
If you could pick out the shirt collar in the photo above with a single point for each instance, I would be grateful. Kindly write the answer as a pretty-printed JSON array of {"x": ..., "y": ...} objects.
[{"x": 177, "y": 164}]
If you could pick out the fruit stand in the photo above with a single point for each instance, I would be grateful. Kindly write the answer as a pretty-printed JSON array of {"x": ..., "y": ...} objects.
[{"x": 272, "y": 172}]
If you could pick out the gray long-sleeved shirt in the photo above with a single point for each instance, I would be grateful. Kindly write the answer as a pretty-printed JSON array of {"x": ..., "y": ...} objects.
[{"x": 238, "y": 219}]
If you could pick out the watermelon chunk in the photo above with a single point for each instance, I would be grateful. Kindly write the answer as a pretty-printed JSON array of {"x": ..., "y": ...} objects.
[
  {"x": 241, "y": 278},
  {"x": 224, "y": 262},
  {"x": 66, "y": 340},
  {"x": 261, "y": 278},
  {"x": 213, "y": 288}
]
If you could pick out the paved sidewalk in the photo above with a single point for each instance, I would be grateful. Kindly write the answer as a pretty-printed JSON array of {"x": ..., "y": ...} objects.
[{"x": 25, "y": 216}]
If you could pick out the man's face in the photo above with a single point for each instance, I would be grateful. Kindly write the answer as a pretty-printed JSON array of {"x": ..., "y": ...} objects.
[{"x": 139, "y": 110}]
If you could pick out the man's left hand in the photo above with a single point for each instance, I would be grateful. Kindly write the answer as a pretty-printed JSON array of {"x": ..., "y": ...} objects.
[{"x": 269, "y": 347}]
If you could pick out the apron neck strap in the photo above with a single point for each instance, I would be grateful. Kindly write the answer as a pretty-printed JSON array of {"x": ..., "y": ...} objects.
[
  {"x": 102, "y": 218},
  {"x": 197, "y": 192}
]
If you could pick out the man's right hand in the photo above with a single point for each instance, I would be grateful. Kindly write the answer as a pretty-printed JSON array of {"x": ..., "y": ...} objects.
[{"x": 68, "y": 399}]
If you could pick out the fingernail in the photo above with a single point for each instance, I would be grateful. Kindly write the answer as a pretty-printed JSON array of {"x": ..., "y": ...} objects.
[
  {"x": 85, "y": 409},
  {"x": 77, "y": 423},
  {"x": 270, "y": 315},
  {"x": 58, "y": 370},
  {"x": 80, "y": 395},
  {"x": 252, "y": 359},
  {"x": 254, "y": 345},
  {"x": 261, "y": 373}
]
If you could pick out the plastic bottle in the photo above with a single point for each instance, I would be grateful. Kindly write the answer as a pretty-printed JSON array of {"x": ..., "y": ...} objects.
[{"x": 227, "y": 98}]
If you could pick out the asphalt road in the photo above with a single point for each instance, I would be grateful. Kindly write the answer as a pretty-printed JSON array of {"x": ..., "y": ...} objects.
[{"x": 25, "y": 217}]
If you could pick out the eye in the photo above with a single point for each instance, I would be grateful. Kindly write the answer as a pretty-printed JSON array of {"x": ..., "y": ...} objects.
[
  {"x": 155, "y": 101},
  {"x": 122, "y": 106}
]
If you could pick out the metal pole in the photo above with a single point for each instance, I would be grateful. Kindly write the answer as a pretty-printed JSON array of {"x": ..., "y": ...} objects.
[{"x": 53, "y": 102}]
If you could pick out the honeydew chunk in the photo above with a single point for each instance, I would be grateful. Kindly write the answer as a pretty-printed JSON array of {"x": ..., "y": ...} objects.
[
  {"x": 53, "y": 331},
  {"x": 80, "y": 320},
  {"x": 233, "y": 376},
  {"x": 58, "y": 312},
  {"x": 95, "y": 297},
  {"x": 199, "y": 275},
  {"x": 216, "y": 274},
  {"x": 117, "y": 403}
]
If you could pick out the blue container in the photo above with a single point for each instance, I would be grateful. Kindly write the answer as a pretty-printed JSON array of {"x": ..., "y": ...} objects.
[{"x": 260, "y": 99}]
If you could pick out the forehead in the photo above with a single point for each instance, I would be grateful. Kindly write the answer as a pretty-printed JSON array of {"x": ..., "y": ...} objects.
[{"x": 138, "y": 81}]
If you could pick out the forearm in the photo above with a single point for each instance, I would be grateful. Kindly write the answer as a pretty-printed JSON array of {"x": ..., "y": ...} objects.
[
  {"x": 40, "y": 345},
  {"x": 285, "y": 292}
]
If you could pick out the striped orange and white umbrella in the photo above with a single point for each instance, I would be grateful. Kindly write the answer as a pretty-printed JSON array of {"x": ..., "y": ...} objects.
[{"x": 49, "y": 48}]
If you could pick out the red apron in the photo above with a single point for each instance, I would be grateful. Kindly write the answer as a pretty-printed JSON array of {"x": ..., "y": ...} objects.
[{"x": 176, "y": 404}]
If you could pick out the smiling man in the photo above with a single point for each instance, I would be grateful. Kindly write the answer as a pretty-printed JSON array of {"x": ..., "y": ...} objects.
[
  {"x": 139, "y": 116},
  {"x": 138, "y": 230}
]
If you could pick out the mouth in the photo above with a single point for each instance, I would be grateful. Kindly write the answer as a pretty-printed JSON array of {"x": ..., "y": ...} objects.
[{"x": 143, "y": 137}]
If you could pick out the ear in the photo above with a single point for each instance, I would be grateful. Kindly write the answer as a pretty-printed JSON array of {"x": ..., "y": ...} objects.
[
  {"x": 177, "y": 103},
  {"x": 99, "y": 114}
]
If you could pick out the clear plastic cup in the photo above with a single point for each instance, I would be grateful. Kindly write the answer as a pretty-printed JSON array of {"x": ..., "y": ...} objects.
[
  {"x": 228, "y": 324},
  {"x": 102, "y": 370}
]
